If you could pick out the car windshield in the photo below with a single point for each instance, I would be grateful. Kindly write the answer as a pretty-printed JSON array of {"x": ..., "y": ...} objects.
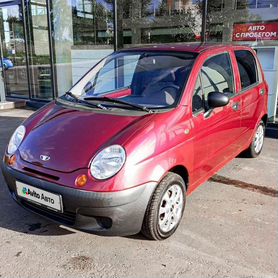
[{"x": 148, "y": 79}]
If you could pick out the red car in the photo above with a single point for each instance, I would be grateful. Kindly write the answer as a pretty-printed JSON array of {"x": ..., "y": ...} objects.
[{"x": 119, "y": 152}]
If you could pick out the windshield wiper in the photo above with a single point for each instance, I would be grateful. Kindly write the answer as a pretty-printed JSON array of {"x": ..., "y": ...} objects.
[
  {"x": 86, "y": 103},
  {"x": 117, "y": 101}
]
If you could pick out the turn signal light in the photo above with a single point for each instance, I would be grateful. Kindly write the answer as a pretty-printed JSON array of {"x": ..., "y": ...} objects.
[
  {"x": 81, "y": 180},
  {"x": 12, "y": 160}
]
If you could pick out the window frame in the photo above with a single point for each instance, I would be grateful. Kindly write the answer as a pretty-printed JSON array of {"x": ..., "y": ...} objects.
[
  {"x": 232, "y": 68},
  {"x": 200, "y": 111},
  {"x": 258, "y": 79}
]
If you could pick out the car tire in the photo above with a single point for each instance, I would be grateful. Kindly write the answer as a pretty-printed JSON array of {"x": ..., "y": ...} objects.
[
  {"x": 256, "y": 146},
  {"x": 165, "y": 209}
]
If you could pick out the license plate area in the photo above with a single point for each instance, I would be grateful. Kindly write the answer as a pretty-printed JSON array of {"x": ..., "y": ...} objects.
[{"x": 39, "y": 196}]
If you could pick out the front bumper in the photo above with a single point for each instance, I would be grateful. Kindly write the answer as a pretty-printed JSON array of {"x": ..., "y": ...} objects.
[{"x": 115, "y": 213}]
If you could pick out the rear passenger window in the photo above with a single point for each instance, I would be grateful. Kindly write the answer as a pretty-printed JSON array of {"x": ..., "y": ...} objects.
[
  {"x": 217, "y": 75},
  {"x": 247, "y": 68}
]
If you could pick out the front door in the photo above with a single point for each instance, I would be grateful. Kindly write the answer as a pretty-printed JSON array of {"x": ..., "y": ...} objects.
[
  {"x": 216, "y": 131},
  {"x": 26, "y": 55}
]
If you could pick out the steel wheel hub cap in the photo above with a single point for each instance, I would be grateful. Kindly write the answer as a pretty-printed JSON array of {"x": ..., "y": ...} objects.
[
  {"x": 259, "y": 139},
  {"x": 171, "y": 207}
]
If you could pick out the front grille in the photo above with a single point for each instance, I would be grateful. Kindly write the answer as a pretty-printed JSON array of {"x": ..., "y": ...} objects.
[
  {"x": 39, "y": 173},
  {"x": 67, "y": 218}
]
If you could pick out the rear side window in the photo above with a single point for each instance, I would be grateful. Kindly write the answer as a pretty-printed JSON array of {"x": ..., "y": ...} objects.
[{"x": 247, "y": 68}]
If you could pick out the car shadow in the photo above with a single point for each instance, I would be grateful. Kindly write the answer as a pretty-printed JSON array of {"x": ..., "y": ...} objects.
[
  {"x": 12, "y": 216},
  {"x": 272, "y": 131}
]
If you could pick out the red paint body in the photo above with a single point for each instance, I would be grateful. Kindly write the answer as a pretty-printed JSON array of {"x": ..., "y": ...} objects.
[{"x": 154, "y": 143}]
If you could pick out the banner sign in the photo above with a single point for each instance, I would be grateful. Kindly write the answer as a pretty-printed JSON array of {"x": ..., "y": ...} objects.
[{"x": 255, "y": 31}]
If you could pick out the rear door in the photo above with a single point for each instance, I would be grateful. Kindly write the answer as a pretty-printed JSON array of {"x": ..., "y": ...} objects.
[
  {"x": 216, "y": 131},
  {"x": 253, "y": 91}
]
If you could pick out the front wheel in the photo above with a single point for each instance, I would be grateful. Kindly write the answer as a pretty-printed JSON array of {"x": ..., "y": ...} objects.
[
  {"x": 165, "y": 209},
  {"x": 258, "y": 140}
]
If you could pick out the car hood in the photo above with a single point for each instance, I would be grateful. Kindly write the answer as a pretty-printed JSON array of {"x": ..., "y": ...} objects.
[{"x": 70, "y": 138}]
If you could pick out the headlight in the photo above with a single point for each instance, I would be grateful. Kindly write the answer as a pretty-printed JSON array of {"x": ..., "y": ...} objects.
[
  {"x": 16, "y": 139},
  {"x": 108, "y": 162}
]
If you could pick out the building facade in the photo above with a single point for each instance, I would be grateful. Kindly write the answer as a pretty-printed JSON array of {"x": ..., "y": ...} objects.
[{"x": 47, "y": 45}]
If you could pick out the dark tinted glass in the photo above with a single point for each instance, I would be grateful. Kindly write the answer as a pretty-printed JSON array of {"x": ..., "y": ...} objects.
[
  {"x": 247, "y": 68},
  {"x": 197, "y": 99}
]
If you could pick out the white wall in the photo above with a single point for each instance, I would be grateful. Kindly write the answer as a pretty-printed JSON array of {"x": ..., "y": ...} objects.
[{"x": 268, "y": 57}]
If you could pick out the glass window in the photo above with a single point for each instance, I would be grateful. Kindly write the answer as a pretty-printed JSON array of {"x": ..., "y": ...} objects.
[
  {"x": 114, "y": 75},
  {"x": 267, "y": 3},
  {"x": 153, "y": 79},
  {"x": 13, "y": 51},
  {"x": 216, "y": 5},
  {"x": 254, "y": 22},
  {"x": 130, "y": 63},
  {"x": 247, "y": 68},
  {"x": 39, "y": 52},
  {"x": 92, "y": 22},
  {"x": 158, "y": 21},
  {"x": 256, "y": 4},
  {"x": 243, "y": 4},
  {"x": 104, "y": 81},
  {"x": 217, "y": 75},
  {"x": 83, "y": 33},
  {"x": 197, "y": 99}
]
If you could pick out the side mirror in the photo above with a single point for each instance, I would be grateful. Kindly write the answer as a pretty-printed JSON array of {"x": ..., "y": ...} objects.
[{"x": 217, "y": 99}]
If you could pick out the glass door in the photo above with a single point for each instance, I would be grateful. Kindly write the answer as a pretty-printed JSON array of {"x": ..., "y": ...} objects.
[
  {"x": 40, "y": 69},
  {"x": 13, "y": 56}
]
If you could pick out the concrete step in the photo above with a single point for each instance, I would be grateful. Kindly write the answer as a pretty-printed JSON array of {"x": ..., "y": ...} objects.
[{"x": 12, "y": 104}]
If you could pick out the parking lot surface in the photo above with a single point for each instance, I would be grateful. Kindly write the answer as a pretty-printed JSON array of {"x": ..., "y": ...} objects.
[{"x": 229, "y": 229}]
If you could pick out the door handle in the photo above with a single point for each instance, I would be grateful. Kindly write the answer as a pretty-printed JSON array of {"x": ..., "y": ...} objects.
[{"x": 235, "y": 106}]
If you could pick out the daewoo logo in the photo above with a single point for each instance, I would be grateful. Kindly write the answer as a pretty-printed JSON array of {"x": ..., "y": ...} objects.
[{"x": 44, "y": 157}]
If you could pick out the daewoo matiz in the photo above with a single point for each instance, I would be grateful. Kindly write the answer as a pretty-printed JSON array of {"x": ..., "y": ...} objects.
[{"x": 119, "y": 152}]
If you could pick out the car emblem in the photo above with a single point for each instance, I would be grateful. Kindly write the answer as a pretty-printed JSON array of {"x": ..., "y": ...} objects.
[{"x": 44, "y": 157}]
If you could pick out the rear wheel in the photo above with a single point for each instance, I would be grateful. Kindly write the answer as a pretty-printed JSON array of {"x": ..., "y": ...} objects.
[
  {"x": 165, "y": 209},
  {"x": 258, "y": 140}
]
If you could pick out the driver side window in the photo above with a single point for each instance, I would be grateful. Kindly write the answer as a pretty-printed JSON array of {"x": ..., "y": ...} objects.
[{"x": 217, "y": 75}]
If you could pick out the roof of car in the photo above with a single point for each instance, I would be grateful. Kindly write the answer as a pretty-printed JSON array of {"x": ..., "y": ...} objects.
[{"x": 190, "y": 47}]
